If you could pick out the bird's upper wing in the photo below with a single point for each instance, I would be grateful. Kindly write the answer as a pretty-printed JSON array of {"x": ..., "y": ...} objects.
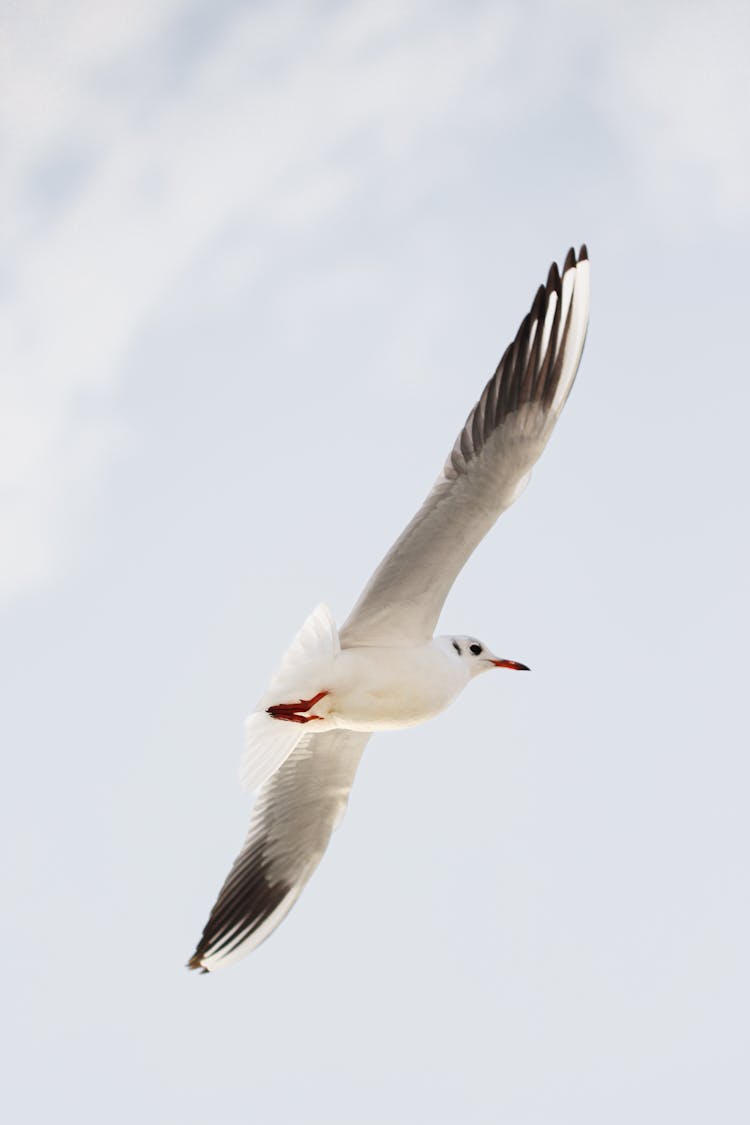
[
  {"x": 294, "y": 816},
  {"x": 486, "y": 470}
]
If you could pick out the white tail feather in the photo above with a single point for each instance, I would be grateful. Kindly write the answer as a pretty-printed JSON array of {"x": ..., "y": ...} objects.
[
  {"x": 268, "y": 744},
  {"x": 317, "y": 638},
  {"x": 269, "y": 741}
]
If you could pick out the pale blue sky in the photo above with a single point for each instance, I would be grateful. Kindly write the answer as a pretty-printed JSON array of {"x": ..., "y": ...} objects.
[{"x": 256, "y": 263}]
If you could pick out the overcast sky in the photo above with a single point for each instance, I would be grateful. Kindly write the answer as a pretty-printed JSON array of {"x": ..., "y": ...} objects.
[{"x": 256, "y": 263}]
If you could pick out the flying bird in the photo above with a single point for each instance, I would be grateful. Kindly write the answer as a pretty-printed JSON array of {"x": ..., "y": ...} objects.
[{"x": 384, "y": 669}]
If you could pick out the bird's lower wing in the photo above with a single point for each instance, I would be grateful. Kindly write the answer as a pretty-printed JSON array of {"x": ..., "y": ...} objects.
[
  {"x": 487, "y": 469},
  {"x": 293, "y": 818}
]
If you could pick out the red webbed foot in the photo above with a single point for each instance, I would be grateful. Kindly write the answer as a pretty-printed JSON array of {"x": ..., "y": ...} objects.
[{"x": 295, "y": 712}]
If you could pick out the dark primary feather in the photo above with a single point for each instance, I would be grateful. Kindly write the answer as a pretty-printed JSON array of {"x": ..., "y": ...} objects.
[{"x": 523, "y": 374}]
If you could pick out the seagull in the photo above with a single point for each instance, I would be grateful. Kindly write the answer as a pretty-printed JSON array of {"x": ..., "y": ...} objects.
[{"x": 384, "y": 669}]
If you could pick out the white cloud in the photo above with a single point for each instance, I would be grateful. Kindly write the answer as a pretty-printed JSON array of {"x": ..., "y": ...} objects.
[
  {"x": 257, "y": 131},
  {"x": 124, "y": 160}
]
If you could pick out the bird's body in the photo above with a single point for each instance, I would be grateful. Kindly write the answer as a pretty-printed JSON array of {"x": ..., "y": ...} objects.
[
  {"x": 384, "y": 670},
  {"x": 379, "y": 688}
]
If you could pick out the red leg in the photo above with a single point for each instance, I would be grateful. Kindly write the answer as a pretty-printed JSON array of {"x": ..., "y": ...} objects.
[{"x": 290, "y": 711}]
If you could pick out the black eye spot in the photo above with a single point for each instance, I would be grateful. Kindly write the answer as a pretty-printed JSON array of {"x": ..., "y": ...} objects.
[
  {"x": 457, "y": 647},
  {"x": 475, "y": 649}
]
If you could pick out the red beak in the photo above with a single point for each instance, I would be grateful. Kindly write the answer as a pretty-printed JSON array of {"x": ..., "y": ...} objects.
[{"x": 511, "y": 664}]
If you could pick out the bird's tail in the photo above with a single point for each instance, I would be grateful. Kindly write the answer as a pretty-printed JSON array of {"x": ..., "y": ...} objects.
[{"x": 269, "y": 740}]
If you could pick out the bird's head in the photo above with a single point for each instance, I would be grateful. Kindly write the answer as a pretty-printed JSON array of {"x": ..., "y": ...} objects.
[{"x": 475, "y": 656}]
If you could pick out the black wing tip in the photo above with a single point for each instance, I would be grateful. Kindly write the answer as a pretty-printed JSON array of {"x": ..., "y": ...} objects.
[
  {"x": 538, "y": 303},
  {"x": 523, "y": 375},
  {"x": 243, "y": 905},
  {"x": 570, "y": 262}
]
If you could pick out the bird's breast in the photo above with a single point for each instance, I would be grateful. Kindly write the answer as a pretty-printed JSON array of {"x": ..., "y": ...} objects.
[{"x": 388, "y": 689}]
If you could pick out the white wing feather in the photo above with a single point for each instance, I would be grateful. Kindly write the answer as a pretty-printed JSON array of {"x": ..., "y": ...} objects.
[{"x": 295, "y": 813}]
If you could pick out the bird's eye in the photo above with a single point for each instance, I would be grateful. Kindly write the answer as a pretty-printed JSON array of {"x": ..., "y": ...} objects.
[
  {"x": 475, "y": 649},
  {"x": 457, "y": 647}
]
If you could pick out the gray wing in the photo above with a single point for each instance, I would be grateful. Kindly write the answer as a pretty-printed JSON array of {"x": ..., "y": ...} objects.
[
  {"x": 294, "y": 815},
  {"x": 487, "y": 469}
]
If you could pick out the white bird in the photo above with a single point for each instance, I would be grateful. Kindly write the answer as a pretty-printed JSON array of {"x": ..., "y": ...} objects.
[{"x": 384, "y": 670}]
